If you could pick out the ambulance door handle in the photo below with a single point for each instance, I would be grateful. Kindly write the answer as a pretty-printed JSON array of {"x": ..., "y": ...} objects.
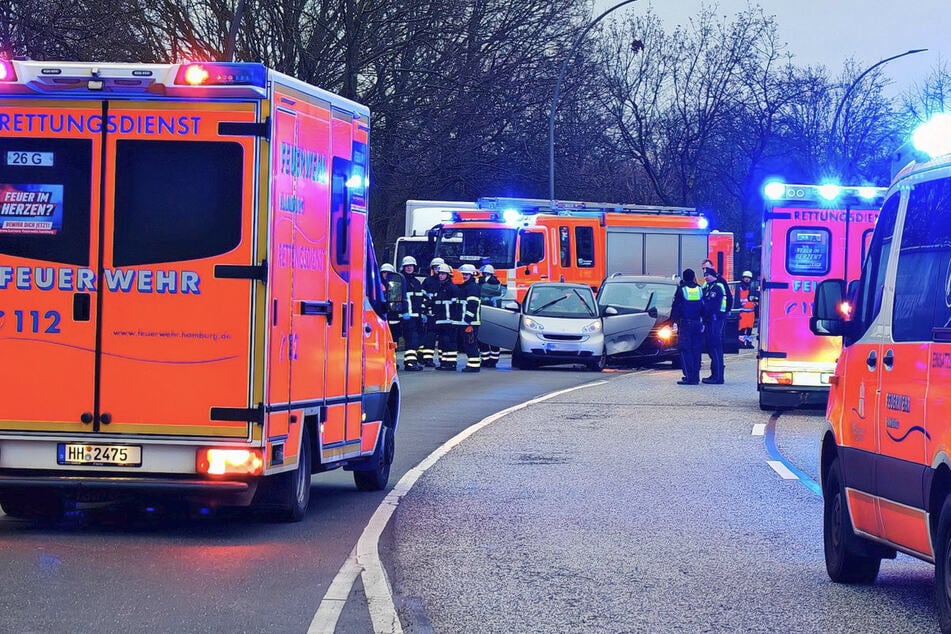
[
  {"x": 889, "y": 359},
  {"x": 343, "y": 319},
  {"x": 872, "y": 360},
  {"x": 80, "y": 306}
]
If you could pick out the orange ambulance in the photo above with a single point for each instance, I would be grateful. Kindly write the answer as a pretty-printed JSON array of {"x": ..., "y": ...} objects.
[
  {"x": 189, "y": 302},
  {"x": 886, "y": 455}
]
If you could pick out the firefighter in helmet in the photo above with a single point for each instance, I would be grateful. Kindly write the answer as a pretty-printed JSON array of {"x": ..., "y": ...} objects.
[
  {"x": 415, "y": 318},
  {"x": 427, "y": 348},
  {"x": 745, "y": 299},
  {"x": 491, "y": 291},
  {"x": 445, "y": 304},
  {"x": 471, "y": 304}
]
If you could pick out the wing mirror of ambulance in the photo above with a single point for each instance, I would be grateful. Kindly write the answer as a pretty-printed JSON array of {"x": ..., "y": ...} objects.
[{"x": 831, "y": 310}]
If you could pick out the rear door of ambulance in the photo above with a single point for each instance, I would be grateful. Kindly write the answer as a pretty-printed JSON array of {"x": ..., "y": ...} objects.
[{"x": 129, "y": 308}]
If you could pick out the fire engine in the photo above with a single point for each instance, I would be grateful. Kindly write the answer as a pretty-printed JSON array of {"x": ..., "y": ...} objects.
[
  {"x": 189, "y": 302},
  {"x": 810, "y": 233},
  {"x": 529, "y": 241}
]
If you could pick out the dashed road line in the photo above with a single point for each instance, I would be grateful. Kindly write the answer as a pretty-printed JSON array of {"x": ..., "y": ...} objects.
[{"x": 364, "y": 559}]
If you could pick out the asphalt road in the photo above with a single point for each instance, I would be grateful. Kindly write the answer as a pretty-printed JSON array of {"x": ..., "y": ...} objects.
[
  {"x": 636, "y": 506},
  {"x": 108, "y": 572}
]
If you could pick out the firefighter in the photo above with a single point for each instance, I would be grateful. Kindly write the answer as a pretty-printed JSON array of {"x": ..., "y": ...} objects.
[
  {"x": 470, "y": 301},
  {"x": 395, "y": 299},
  {"x": 687, "y": 312},
  {"x": 490, "y": 293},
  {"x": 716, "y": 307},
  {"x": 427, "y": 348},
  {"x": 445, "y": 307},
  {"x": 415, "y": 319},
  {"x": 745, "y": 300}
]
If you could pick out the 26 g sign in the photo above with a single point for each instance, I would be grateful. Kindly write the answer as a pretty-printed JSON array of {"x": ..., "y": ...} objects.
[{"x": 21, "y": 158}]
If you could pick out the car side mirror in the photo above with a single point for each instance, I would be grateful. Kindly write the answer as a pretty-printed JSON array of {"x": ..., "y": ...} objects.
[
  {"x": 510, "y": 305},
  {"x": 652, "y": 311},
  {"x": 609, "y": 311}
]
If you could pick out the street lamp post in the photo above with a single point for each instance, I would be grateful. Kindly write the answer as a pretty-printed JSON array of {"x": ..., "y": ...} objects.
[
  {"x": 855, "y": 82},
  {"x": 554, "y": 99}
]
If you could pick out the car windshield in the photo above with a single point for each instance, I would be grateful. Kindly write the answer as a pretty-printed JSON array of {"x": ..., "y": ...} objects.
[
  {"x": 560, "y": 301},
  {"x": 638, "y": 295},
  {"x": 477, "y": 247}
]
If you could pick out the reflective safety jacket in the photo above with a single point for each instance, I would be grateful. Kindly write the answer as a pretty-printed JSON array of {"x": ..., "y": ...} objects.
[
  {"x": 470, "y": 303},
  {"x": 688, "y": 303},
  {"x": 416, "y": 297},
  {"x": 715, "y": 300},
  {"x": 445, "y": 303}
]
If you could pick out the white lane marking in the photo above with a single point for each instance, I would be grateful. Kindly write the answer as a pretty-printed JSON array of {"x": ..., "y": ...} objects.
[
  {"x": 759, "y": 429},
  {"x": 364, "y": 559},
  {"x": 782, "y": 470}
]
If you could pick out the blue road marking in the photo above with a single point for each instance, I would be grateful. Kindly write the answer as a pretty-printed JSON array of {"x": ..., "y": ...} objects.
[{"x": 769, "y": 438}]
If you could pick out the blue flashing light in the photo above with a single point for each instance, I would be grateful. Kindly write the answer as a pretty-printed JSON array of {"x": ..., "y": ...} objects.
[
  {"x": 511, "y": 216},
  {"x": 774, "y": 190},
  {"x": 829, "y": 191},
  {"x": 222, "y": 74},
  {"x": 933, "y": 137},
  {"x": 703, "y": 223},
  {"x": 868, "y": 193},
  {"x": 356, "y": 181}
]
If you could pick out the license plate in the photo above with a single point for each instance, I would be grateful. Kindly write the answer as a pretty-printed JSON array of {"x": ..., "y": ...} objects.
[
  {"x": 561, "y": 347},
  {"x": 99, "y": 455}
]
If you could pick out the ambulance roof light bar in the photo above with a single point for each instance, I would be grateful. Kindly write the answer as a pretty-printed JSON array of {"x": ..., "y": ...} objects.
[
  {"x": 221, "y": 74},
  {"x": 7, "y": 71},
  {"x": 826, "y": 193}
]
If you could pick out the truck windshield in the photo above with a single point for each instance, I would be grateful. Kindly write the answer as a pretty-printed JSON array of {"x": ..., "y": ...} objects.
[{"x": 477, "y": 247}]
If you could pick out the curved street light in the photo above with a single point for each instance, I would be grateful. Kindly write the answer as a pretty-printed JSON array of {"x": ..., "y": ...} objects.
[
  {"x": 855, "y": 82},
  {"x": 554, "y": 99}
]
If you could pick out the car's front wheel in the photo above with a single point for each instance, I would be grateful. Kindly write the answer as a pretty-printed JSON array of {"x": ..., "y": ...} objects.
[
  {"x": 519, "y": 359},
  {"x": 599, "y": 363}
]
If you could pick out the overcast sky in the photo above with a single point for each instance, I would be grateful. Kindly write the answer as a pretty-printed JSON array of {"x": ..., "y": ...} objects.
[{"x": 830, "y": 31}]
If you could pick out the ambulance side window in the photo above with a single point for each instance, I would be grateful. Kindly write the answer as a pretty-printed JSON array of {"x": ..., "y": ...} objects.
[
  {"x": 340, "y": 218},
  {"x": 564, "y": 245},
  {"x": 531, "y": 247},
  {"x": 868, "y": 300},
  {"x": 176, "y": 200},
  {"x": 921, "y": 283},
  {"x": 374, "y": 282},
  {"x": 46, "y": 172}
]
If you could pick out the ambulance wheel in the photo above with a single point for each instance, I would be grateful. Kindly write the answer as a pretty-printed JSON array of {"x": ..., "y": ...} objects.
[
  {"x": 293, "y": 488},
  {"x": 375, "y": 479},
  {"x": 844, "y": 562},
  {"x": 942, "y": 571},
  {"x": 39, "y": 504}
]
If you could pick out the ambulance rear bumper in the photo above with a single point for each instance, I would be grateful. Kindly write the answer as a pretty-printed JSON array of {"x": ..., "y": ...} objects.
[
  {"x": 230, "y": 492},
  {"x": 792, "y": 396}
]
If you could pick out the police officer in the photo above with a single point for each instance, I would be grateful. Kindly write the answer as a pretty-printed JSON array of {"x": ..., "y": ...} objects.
[
  {"x": 716, "y": 307},
  {"x": 687, "y": 312},
  {"x": 395, "y": 299},
  {"x": 428, "y": 345},
  {"x": 470, "y": 299},
  {"x": 416, "y": 314},
  {"x": 445, "y": 308},
  {"x": 490, "y": 292}
]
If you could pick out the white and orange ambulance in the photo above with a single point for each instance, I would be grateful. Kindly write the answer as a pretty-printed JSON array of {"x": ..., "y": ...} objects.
[
  {"x": 886, "y": 455},
  {"x": 810, "y": 233},
  {"x": 189, "y": 302}
]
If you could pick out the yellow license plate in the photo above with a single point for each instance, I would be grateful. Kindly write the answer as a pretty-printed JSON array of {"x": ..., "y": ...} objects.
[{"x": 99, "y": 455}]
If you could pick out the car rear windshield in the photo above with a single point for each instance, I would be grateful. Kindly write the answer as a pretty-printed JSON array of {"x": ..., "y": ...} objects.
[
  {"x": 638, "y": 295},
  {"x": 560, "y": 301}
]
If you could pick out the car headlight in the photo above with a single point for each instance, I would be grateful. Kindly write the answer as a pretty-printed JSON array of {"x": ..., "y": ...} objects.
[
  {"x": 531, "y": 324},
  {"x": 665, "y": 333},
  {"x": 594, "y": 326}
]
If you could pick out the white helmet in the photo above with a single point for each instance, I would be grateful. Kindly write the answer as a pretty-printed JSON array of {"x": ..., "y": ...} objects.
[
  {"x": 443, "y": 268},
  {"x": 436, "y": 262},
  {"x": 388, "y": 268},
  {"x": 408, "y": 261},
  {"x": 488, "y": 269},
  {"x": 747, "y": 274},
  {"x": 467, "y": 269}
]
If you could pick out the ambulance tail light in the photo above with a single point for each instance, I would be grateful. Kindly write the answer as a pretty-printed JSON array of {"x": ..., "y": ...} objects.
[
  {"x": 7, "y": 72},
  {"x": 775, "y": 378},
  {"x": 221, "y": 74},
  {"x": 224, "y": 462}
]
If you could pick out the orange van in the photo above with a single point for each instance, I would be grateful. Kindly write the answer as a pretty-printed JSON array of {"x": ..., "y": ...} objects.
[
  {"x": 189, "y": 302},
  {"x": 886, "y": 455}
]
